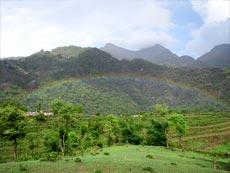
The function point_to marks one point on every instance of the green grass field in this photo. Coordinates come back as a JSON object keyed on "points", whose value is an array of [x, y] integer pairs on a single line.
{"points": [[124, 159]]}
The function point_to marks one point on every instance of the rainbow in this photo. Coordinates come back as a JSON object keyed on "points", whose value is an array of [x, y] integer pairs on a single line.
{"points": [[139, 78]]}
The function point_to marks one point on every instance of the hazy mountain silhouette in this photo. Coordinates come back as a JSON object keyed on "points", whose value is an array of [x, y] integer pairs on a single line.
{"points": [[156, 54], [219, 56]]}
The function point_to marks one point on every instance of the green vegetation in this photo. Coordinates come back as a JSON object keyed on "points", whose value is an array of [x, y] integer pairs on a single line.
{"points": [[125, 159], [69, 132], [69, 51], [12, 125], [107, 95], [31, 73], [69, 137], [95, 112]]}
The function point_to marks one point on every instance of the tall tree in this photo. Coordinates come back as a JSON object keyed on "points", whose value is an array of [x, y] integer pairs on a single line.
{"points": [[12, 124], [64, 113]]}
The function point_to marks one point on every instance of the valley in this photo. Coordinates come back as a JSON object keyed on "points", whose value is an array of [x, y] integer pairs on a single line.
{"points": [[103, 108]]}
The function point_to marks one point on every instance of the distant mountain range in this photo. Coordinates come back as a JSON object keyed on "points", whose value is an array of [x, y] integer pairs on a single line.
{"points": [[219, 56]]}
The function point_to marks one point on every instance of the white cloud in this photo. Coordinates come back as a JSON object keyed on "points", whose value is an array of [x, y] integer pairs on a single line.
{"points": [[208, 36], [30, 26], [140, 38], [212, 10], [216, 27]]}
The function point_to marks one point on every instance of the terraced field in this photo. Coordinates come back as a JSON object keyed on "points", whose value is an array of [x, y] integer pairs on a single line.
{"points": [[207, 133]]}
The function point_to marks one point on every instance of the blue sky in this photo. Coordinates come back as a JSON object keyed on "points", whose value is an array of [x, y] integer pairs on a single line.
{"points": [[185, 27]]}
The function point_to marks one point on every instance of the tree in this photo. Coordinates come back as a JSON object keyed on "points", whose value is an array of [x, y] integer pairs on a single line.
{"points": [[161, 109], [112, 130], [12, 125], [178, 123], [156, 132], [64, 113]]}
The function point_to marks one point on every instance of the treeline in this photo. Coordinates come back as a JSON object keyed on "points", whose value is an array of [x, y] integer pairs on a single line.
{"points": [[70, 132]]}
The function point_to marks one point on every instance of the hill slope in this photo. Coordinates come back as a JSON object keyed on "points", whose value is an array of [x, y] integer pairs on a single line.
{"points": [[44, 67], [125, 159], [219, 56], [120, 95]]}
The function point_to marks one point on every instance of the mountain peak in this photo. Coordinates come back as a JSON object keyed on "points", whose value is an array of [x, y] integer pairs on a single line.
{"points": [[69, 51], [158, 46], [110, 45]]}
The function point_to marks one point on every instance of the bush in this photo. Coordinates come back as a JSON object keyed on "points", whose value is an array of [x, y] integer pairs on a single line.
{"points": [[149, 156], [40, 117], [23, 158], [94, 154], [150, 169], [98, 171], [77, 159], [106, 153], [53, 156], [172, 163]]}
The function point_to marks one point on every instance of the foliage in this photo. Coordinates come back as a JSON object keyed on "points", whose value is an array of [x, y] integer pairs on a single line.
{"points": [[156, 132], [12, 124], [177, 121], [149, 156], [148, 168], [77, 159], [161, 109], [68, 132], [114, 95]]}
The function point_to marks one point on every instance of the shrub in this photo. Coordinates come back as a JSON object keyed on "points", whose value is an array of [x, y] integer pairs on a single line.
{"points": [[40, 117], [98, 171], [77, 159], [172, 163], [150, 169], [53, 156], [149, 156], [106, 153], [94, 153]]}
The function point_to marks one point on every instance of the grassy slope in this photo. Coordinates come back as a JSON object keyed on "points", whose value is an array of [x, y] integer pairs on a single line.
{"points": [[124, 159]]}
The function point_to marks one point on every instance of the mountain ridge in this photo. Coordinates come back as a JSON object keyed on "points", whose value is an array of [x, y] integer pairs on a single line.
{"points": [[218, 56], [158, 54]]}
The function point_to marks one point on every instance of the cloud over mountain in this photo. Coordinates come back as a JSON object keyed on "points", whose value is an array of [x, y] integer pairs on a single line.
{"points": [[215, 30]]}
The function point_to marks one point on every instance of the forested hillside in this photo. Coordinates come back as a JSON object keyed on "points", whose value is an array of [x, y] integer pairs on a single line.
{"points": [[183, 88]]}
